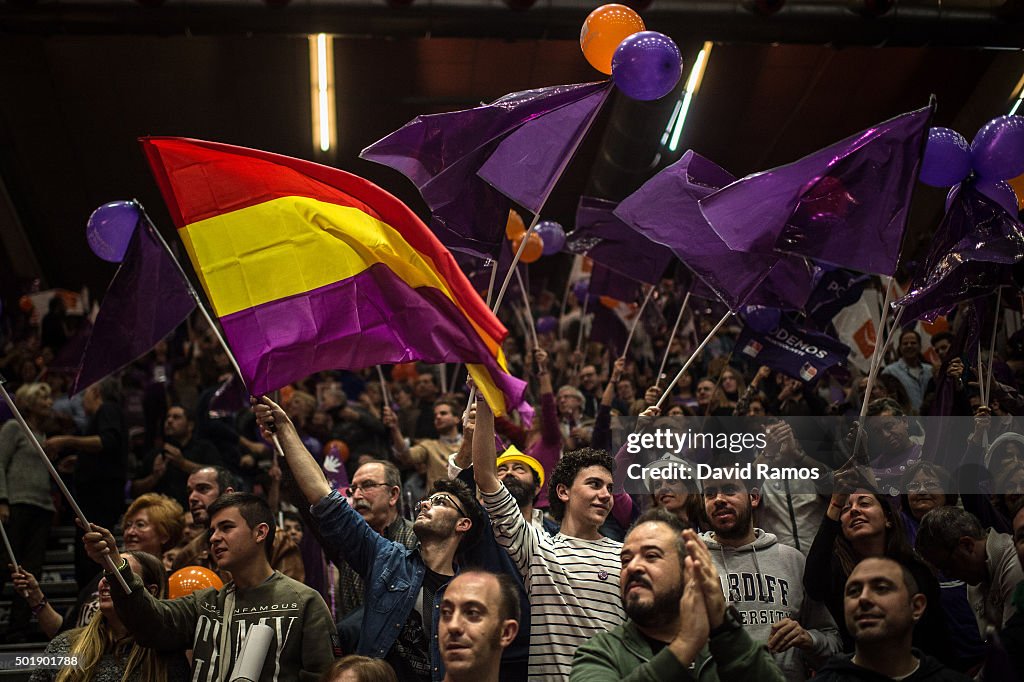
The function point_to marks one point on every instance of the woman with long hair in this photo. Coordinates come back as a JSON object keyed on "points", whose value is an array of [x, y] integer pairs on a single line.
{"points": [[106, 651], [859, 525]]}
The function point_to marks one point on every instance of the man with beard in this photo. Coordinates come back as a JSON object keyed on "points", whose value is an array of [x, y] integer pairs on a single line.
{"points": [[889, 445], [882, 604], [166, 470], [204, 487], [404, 587], [678, 626], [764, 581], [520, 473], [429, 455], [479, 620]]}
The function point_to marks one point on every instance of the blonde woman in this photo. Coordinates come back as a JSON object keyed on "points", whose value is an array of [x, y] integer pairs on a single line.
{"points": [[105, 650], [26, 508]]}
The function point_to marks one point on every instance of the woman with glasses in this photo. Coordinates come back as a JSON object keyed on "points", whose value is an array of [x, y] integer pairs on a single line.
{"points": [[860, 523], [929, 487]]}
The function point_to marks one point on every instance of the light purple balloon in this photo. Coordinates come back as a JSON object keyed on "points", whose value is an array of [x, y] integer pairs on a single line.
{"points": [[947, 158], [553, 236], [546, 324], [1000, 192], [647, 65], [110, 228], [997, 151]]}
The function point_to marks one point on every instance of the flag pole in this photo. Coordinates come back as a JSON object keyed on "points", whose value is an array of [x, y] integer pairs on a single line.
{"points": [[383, 387], [693, 356], [57, 479], [7, 546], [565, 302], [527, 312], [881, 340], [202, 309], [547, 194], [668, 345], [636, 320], [992, 348]]}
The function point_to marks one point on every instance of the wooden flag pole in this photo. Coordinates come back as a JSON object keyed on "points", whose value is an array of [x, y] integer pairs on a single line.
{"points": [[636, 320], [693, 356], [668, 345]]}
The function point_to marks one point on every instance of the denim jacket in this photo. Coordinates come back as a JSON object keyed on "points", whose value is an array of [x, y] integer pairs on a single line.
{"points": [[393, 575]]}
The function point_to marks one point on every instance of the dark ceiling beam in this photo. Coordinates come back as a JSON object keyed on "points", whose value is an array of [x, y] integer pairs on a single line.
{"points": [[961, 23]]}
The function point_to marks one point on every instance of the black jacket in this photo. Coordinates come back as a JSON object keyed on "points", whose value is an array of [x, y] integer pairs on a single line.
{"points": [[841, 669]]}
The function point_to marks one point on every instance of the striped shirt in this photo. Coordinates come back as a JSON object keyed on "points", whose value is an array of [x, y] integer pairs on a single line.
{"points": [[573, 585]]}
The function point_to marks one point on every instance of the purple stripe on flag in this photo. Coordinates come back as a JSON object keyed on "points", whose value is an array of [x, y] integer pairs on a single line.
{"points": [[372, 318]]}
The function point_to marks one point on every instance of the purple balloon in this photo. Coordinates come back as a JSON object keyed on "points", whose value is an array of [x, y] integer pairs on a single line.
{"points": [[1000, 192], [997, 151], [110, 228], [553, 236], [647, 65], [947, 158], [546, 324], [581, 289]]}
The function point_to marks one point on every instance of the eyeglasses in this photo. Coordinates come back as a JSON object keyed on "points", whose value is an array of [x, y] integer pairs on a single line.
{"points": [[923, 486], [352, 489], [440, 500]]}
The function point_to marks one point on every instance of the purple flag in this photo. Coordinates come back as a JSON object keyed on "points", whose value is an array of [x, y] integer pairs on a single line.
{"points": [[525, 165], [665, 210], [972, 253], [606, 282], [846, 204], [441, 154], [834, 289], [146, 300], [795, 351], [605, 239]]}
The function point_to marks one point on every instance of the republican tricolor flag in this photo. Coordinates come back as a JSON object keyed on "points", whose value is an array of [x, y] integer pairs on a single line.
{"points": [[310, 268]]}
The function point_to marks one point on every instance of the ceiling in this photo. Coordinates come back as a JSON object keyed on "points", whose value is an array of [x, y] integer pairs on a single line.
{"points": [[77, 92]]}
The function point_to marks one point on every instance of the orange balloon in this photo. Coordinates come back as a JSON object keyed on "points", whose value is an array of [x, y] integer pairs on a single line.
{"points": [[604, 29], [338, 448], [187, 580], [609, 302], [404, 372], [534, 247], [1018, 188], [515, 227]]}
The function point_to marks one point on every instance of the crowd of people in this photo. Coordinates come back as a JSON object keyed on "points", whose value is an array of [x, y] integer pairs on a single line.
{"points": [[390, 526]]}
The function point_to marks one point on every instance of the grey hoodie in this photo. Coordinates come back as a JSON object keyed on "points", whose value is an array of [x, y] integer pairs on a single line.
{"points": [[765, 582]]}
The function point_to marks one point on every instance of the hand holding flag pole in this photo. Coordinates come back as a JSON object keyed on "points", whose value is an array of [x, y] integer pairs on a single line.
{"points": [[56, 477], [278, 452], [10, 553]]}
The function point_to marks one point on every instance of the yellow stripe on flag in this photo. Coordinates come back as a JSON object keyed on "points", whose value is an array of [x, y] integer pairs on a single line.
{"points": [[292, 245]]}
